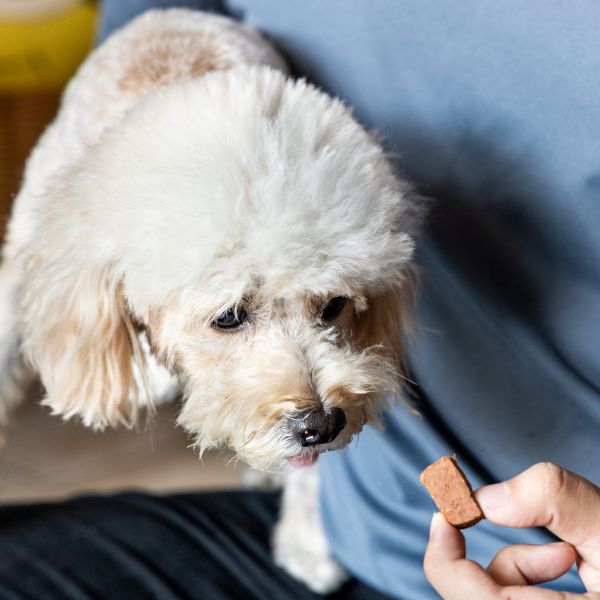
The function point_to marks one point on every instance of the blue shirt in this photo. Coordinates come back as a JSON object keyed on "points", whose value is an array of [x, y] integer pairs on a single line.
{"points": [[494, 110]]}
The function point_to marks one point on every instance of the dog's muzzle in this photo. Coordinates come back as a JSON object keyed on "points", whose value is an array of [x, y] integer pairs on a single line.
{"points": [[319, 426]]}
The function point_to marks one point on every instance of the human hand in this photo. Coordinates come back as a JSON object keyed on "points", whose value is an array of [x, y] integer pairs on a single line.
{"points": [[544, 495]]}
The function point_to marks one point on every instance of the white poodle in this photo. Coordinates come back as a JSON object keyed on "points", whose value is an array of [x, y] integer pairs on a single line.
{"points": [[195, 222]]}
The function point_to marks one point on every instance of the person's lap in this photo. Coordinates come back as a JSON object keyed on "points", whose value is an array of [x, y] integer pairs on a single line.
{"points": [[213, 545]]}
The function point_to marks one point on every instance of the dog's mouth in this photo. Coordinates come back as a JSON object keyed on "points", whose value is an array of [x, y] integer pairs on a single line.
{"points": [[303, 459]]}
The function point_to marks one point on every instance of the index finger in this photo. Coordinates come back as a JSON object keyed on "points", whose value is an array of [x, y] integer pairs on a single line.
{"points": [[449, 572], [549, 496]]}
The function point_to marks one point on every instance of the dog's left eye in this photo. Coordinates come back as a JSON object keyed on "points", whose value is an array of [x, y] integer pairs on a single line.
{"points": [[231, 319], [333, 308]]}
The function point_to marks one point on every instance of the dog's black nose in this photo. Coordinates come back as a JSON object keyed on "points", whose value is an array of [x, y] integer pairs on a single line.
{"points": [[319, 426]]}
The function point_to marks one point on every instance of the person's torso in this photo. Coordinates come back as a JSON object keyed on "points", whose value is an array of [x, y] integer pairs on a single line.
{"points": [[494, 111]]}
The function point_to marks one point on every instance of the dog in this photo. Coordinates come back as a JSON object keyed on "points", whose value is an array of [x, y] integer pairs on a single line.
{"points": [[197, 223]]}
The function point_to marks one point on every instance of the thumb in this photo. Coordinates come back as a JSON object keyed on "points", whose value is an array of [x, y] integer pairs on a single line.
{"points": [[549, 496]]}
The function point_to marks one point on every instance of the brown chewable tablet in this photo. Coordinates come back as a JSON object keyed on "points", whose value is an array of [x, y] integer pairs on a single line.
{"points": [[452, 492]]}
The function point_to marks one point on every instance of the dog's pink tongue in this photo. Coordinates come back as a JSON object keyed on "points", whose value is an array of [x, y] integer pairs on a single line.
{"points": [[303, 460]]}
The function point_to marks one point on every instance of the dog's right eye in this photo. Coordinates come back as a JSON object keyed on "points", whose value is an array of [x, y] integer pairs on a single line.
{"points": [[334, 308], [231, 319]]}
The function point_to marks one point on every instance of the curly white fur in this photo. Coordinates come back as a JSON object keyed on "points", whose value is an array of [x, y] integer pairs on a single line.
{"points": [[184, 176]]}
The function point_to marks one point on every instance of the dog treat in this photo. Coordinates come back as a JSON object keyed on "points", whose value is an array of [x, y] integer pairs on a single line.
{"points": [[452, 492]]}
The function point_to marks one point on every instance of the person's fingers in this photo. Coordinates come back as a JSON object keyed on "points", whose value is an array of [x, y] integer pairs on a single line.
{"points": [[529, 565], [449, 572], [536, 593], [589, 575], [456, 578], [549, 496]]}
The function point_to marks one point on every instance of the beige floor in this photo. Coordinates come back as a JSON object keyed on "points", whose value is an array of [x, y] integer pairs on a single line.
{"points": [[45, 458]]}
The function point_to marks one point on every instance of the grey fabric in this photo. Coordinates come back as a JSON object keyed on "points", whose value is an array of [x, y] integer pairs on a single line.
{"points": [[493, 110], [116, 13]]}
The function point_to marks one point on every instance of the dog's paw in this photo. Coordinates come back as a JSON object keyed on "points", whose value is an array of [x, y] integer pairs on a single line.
{"points": [[301, 549]]}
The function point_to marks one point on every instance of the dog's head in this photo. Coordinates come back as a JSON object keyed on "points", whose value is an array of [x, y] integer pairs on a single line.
{"points": [[255, 234]]}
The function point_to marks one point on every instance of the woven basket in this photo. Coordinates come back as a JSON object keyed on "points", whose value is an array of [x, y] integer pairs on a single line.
{"points": [[23, 118]]}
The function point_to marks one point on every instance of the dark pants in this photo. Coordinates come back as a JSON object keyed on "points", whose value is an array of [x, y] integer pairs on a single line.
{"points": [[130, 546]]}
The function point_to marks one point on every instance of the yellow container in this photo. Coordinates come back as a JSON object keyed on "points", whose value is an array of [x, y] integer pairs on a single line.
{"points": [[42, 42]]}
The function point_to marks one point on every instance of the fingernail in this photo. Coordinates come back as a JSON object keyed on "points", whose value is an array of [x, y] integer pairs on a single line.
{"points": [[434, 528], [493, 496]]}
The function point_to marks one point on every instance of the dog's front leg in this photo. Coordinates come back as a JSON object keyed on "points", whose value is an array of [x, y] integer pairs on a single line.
{"points": [[299, 543], [16, 377]]}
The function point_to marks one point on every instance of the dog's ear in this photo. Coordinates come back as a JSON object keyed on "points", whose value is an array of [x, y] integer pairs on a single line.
{"points": [[80, 337], [385, 324]]}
